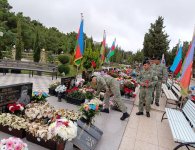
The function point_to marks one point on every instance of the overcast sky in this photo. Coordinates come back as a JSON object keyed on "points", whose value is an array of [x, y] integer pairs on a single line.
{"points": [[127, 20]]}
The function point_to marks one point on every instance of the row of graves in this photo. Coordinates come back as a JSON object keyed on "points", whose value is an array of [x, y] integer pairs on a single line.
{"points": [[27, 114], [41, 123]]}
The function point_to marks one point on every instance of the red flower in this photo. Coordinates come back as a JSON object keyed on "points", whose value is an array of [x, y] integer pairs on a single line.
{"points": [[93, 64], [127, 90], [66, 123]]}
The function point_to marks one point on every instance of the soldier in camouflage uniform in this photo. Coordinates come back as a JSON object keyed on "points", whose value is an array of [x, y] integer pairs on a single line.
{"points": [[161, 73], [146, 80], [153, 67], [111, 86]]}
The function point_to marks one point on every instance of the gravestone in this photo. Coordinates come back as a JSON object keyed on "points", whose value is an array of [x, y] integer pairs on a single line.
{"points": [[69, 82], [91, 129], [13, 93], [84, 141]]}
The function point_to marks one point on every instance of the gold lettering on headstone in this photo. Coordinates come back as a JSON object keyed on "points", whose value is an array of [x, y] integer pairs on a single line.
{"points": [[90, 142]]}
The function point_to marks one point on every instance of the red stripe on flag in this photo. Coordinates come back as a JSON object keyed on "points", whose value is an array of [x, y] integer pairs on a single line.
{"points": [[185, 81], [177, 70], [77, 53]]}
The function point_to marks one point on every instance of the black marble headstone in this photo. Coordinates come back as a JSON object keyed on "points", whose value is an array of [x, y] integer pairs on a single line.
{"points": [[84, 141], [69, 82], [91, 129], [12, 93]]}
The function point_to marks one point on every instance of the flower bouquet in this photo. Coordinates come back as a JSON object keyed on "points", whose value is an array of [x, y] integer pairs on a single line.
{"points": [[62, 130], [39, 96], [13, 143], [60, 90], [52, 87], [15, 108], [89, 110]]}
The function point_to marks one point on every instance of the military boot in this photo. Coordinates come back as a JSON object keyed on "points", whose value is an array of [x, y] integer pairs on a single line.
{"points": [[124, 116]]}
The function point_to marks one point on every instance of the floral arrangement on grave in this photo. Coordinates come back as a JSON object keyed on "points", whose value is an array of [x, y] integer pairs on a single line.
{"points": [[89, 110], [16, 108], [129, 87], [13, 121], [39, 111], [62, 130], [39, 96], [54, 85], [88, 93], [76, 95], [61, 88], [130, 84], [68, 91], [69, 114], [38, 130], [13, 143]]}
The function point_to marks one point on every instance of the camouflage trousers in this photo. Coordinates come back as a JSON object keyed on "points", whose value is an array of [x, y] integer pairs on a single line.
{"points": [[145, 97], [115, 90], [158, 89]]}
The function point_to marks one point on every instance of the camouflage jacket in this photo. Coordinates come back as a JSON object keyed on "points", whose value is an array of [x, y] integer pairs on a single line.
{"points": [[147, 76], [160, 72], [103, 83]]}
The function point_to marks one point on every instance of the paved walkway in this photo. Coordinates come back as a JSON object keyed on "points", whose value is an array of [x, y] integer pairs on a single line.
{"points": [[144, 133]]}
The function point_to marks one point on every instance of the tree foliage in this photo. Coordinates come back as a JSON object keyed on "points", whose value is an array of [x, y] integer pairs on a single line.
{"points": [[37, 48], [156, 40], [19, 42]]}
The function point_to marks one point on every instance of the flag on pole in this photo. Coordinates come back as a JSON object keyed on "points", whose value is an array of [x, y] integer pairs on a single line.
{"points": [[187, 68], [79, 49], [163, 60], [177, 63], [103, 49], [111, 52]]}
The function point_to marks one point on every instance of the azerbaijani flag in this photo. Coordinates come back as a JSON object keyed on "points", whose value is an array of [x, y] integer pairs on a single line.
{"points": [[111, 52], [177, 63], [79, 49], [187, 68], [103, 49]]}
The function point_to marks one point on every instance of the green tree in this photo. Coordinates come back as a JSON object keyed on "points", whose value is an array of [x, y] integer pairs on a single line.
{"points": [[156, 40], [36, 48], [19, 42]]}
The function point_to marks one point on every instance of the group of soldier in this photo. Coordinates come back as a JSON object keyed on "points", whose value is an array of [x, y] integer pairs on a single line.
{"points": [[150, 79], [153, 74]]}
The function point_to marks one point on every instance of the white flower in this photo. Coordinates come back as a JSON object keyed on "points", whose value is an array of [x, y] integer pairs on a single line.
{"points": [[61, 88]]}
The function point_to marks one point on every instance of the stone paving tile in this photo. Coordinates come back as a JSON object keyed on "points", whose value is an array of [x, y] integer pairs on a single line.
{"points": [[141, 145]]}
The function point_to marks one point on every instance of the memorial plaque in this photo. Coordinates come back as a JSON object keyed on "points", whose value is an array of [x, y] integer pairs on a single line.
{"points": [[91, 129], [84, 141], [15, 93], [69, 82]]}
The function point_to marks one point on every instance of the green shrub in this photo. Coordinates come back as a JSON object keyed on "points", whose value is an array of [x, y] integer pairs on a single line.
{"points": [[64, 59], [64, 68]]}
